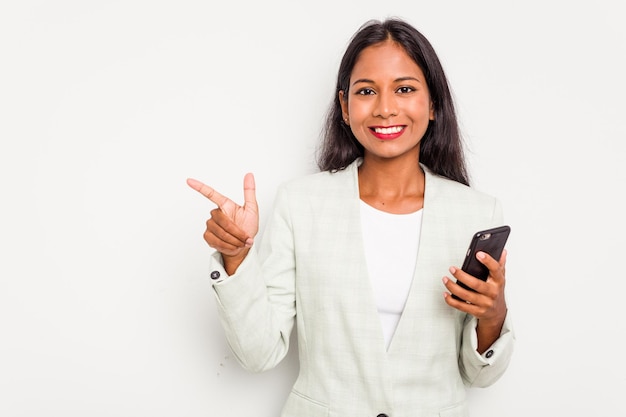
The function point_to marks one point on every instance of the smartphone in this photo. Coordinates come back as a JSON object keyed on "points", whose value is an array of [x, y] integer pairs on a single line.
{"points": [[491, 241]]}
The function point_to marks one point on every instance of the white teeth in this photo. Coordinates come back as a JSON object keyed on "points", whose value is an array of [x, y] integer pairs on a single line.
{"points": [[388, 130]]}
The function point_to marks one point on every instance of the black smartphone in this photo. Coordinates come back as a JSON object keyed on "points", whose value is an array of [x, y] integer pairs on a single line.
{"points": [[491, 241]]}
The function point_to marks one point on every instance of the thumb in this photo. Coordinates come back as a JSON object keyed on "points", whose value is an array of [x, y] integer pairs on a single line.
{"points": [[249, 191]]}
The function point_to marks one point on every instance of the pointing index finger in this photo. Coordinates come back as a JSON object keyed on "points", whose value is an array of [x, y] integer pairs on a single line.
{"points": [[207, 191]]}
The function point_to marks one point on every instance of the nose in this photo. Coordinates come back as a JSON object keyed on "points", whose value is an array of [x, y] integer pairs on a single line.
{"points": [[386, 105]]}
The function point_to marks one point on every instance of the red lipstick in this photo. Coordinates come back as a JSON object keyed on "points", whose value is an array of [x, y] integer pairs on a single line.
{"points": [[387, 132]]}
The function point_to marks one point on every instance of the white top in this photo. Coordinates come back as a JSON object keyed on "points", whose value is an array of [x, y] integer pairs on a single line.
{"points": [[391, 242]]}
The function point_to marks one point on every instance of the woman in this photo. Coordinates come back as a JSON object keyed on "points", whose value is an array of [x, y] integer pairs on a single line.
{"points": [[355, 254]]}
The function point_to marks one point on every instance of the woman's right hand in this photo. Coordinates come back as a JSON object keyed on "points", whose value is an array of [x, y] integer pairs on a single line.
{"points": [[231, 228]]}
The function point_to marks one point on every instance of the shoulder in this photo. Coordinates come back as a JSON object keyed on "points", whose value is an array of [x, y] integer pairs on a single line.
{"points": [[459, 199], [321, 195], [336, 183], [445, 187]]}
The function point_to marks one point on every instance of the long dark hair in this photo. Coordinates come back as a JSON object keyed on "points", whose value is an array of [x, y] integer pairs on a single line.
{"points": [[441, 149]]}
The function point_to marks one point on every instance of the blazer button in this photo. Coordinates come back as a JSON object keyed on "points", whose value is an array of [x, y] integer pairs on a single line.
{"points": [[215, 275], [489, 354]]}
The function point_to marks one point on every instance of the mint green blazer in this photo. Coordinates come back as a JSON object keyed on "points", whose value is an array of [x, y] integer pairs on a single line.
{"points": [[309, 270]]}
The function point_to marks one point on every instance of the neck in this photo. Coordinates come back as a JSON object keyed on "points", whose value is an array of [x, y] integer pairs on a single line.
{"points": [[392, 185]]}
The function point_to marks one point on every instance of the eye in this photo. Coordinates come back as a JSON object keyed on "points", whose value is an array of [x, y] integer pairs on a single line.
{"points": [[365, 92], [405, 90]]}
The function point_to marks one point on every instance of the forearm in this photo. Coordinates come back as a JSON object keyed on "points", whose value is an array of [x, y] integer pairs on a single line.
{"points": [[257, 322], [488, 332], [231, 263]]}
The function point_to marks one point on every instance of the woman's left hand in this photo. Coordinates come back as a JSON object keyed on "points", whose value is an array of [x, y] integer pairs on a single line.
{"points": [[486, 303]]}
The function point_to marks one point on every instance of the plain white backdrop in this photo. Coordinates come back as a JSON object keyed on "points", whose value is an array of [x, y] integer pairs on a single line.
{"points": [[106, 107]]}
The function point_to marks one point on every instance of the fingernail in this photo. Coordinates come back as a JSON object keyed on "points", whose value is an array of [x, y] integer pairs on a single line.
{"points": [[480, 255], [249, 242], [452, 270]]}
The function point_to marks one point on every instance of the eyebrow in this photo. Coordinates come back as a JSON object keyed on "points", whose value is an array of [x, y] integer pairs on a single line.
{"points": [[367, 80]]}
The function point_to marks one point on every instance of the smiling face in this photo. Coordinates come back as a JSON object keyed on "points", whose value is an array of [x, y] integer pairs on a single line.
{"points": [[388, 106]]}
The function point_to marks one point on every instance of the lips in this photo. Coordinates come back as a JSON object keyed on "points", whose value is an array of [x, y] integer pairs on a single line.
{"points": [[387, 132]]}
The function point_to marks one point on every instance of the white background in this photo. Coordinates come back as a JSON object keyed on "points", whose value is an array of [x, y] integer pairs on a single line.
{"points": [[107, 107]]}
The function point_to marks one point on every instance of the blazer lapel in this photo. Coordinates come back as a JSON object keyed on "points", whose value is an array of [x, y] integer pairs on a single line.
{"points": [[363, 290], [425, 305]]}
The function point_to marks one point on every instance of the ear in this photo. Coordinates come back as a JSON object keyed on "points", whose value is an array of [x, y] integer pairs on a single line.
{"points": [[343, 100], [431, 114]]}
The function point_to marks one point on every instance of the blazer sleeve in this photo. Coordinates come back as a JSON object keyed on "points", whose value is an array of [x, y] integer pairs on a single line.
{"points": [[256, 305], [483, 370]]}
